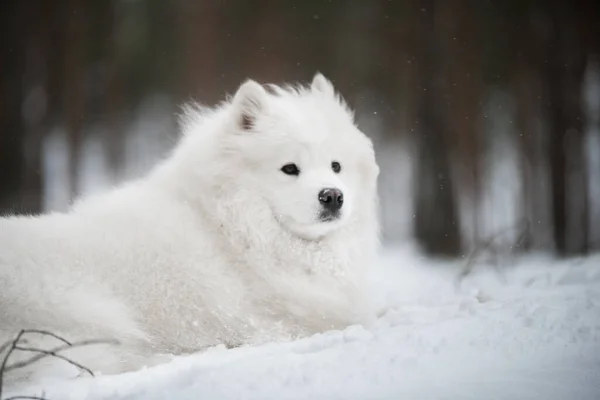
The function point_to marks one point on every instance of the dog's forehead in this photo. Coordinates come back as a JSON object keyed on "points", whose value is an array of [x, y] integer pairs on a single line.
{"points": [[315, 149], [315, 115], [317, 128]]}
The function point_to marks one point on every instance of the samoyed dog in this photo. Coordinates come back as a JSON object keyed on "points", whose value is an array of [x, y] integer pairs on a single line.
{"points": [[260, 226]]}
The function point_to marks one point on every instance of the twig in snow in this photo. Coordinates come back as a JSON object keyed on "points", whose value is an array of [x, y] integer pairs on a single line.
{"points": [[10, 345], [489, 244], [48, 333], [54, 353], [13, 345]]}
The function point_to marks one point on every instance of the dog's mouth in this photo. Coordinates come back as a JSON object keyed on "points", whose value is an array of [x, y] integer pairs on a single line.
{"points": [[329, 216], [321, 227]]}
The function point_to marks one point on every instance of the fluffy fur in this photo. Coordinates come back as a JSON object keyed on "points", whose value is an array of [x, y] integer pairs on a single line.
{"points": [[215, 245]]}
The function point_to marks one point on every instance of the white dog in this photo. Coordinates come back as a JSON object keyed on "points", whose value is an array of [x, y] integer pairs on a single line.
{"points": [[260, 226]]}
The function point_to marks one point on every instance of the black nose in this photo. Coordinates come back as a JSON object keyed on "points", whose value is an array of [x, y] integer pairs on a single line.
{"points": [[331, 199]]}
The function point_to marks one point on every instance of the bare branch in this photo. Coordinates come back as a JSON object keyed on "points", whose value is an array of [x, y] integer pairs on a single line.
{"points": [[47, 333], [5, 346], [522, 227], [54, 353], [13, 345]]}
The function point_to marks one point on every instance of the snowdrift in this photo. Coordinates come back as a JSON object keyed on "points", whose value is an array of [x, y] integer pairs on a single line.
{"points": [[529, 330]]}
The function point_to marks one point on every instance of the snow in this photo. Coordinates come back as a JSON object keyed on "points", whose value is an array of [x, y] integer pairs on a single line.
{"points": [[528, 330]]}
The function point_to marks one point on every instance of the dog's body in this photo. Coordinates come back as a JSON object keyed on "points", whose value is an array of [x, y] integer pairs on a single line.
{"points": [[223, 242]]}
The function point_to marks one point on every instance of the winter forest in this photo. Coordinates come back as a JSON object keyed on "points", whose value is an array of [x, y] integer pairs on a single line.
{"points": [[485, 114], [485, 118]]}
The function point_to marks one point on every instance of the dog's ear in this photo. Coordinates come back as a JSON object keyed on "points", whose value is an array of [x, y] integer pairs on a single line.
{"points": [[250, 102], [322, 84]]}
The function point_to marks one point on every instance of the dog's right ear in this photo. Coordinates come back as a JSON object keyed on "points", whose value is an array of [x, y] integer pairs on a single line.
{"points": [[250, 101]]}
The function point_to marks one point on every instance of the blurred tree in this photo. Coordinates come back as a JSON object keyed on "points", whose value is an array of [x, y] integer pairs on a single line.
{"points": [[563, 73], [461, 101], [113, 57], [12, 50], [392, 78], [74, 105], [267, 38], [38, 42], [588, 15], [524, 54], [200, 52], [436, 222]]}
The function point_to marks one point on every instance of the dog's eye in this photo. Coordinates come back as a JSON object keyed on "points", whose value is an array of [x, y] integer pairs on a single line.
{"points": [[336, 167], [290, 169]]}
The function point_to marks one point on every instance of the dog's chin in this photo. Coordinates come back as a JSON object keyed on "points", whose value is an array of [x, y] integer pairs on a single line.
{"points": [[317, 230]]}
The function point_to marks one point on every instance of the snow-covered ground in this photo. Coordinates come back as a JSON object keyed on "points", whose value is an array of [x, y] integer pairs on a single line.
{"points": [[528, 331]]}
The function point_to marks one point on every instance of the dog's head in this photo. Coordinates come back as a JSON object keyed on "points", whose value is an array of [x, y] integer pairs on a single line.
{"points": [[295, 154], [301, 153]]}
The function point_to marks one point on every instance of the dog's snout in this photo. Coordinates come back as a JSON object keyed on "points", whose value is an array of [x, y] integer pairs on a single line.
{"points": [[331, 199]]}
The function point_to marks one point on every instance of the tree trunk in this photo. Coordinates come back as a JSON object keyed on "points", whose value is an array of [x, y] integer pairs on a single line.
{"points": [[12, 15], [564, 76], [114, 141], [462, 64], [436, 225], [73, 95]]}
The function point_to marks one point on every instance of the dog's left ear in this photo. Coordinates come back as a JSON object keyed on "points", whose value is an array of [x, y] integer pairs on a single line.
{"points": [[322, 84], [250, 102]]}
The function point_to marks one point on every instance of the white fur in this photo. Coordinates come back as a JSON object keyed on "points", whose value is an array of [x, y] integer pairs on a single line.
{"points": [[215, 245]]}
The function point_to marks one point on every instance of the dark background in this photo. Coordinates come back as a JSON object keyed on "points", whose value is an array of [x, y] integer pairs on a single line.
{"points": [[485, 113]]}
